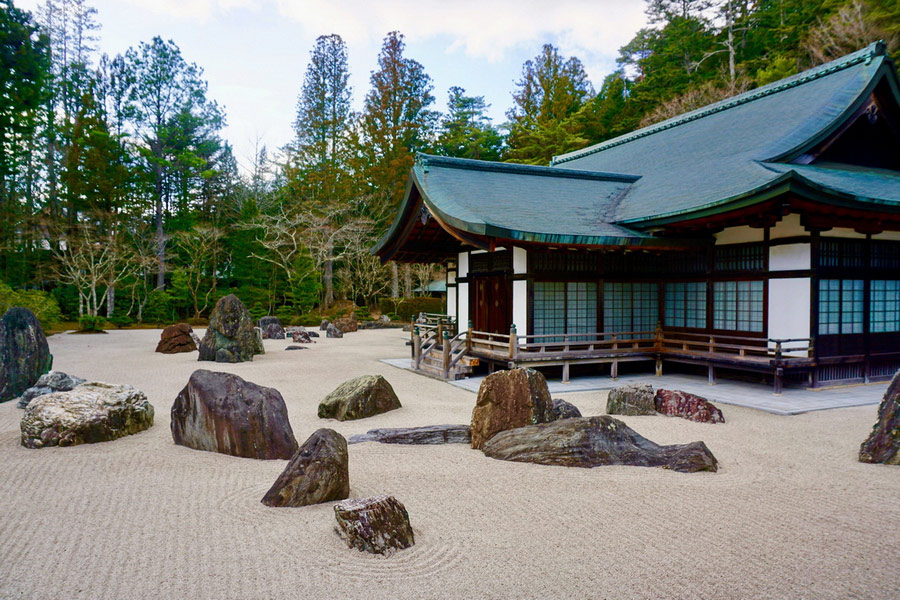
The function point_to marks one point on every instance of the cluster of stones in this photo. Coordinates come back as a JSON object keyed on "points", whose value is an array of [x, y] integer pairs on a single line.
{"points": [[24, 352], [331, 330], [301, 335], [177, 338], [640, 399], [231, 336], [271, 328]]}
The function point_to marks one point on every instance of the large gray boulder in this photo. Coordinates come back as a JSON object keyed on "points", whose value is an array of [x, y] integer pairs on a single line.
{"points": [[92, 412], [54, 381], [510, 399], [883, 444], [428, 435], [592, 442], [231, 335], [359, 398], [318, 472], [24, 353], [379, 525], [220, 412], [632, 399]]}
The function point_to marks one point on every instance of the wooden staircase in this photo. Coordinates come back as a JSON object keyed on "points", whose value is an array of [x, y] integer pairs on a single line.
{"points": [[436, 354]]}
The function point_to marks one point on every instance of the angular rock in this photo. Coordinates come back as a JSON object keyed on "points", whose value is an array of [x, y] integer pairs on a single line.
{"points": [[176, 338], [90, 413], [359, 398], [271, 328], [883, 444], [346, 324], [632, 399], [592, 442], [510, 399], [379, 525], [314, 334], [318, 472], [231, 336], [676, 403], [564, 410], [333, 332], [54, 381], [324, 324], [429, 435], [24, 353], [220, 412], [301, 337]]}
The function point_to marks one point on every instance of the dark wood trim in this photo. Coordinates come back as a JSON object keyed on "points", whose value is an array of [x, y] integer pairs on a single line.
{"points": [[793, 274], [785, 241]]}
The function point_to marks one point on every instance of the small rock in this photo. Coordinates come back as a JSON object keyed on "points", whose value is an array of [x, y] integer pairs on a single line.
{"points": [[220, 412], [318, 472], [346, 324], [333, 332], [271, 329], [312, 333], [302, 336], [54, 381], [292, 347], [379, 525], [384, 319], [431, 434], [883, 444], [592, 442], [359, 398], [676, 403], [90, 413], [510, 399], [24, 352], [631, 400], [177, 338], [564, 410], [324, 324]]}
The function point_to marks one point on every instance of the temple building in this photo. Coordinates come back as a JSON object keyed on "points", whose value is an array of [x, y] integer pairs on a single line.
{"points": [[760, 234]]}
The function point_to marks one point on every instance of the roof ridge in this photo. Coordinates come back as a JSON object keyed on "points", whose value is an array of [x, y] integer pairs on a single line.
{"points": [[426, 160], [871, 51]]}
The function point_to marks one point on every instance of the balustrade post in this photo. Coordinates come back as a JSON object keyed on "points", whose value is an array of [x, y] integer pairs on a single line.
{"points": [[469, 337], [440, 332], [513, 342], [417, 347], [445, 354], [779, 371]]}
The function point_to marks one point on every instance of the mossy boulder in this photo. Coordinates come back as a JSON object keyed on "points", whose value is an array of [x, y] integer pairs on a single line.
{"points": [[632, 399], [231, 336], [24, 352], [883, 444], [359, 398]]}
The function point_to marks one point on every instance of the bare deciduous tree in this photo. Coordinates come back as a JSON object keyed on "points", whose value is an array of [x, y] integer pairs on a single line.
{"points": [[200, 245]]}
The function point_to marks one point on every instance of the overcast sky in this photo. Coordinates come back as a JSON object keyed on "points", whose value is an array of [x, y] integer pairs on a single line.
{"points": [[254, 52]]}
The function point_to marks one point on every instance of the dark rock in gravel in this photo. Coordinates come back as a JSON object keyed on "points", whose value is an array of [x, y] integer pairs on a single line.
{"points": [[428, 435], [883, 444], [296, 348], [271, 328], [220, 412], [564, 410], [231, 335], [24, 353], [175, 339], [318, 472], [510, 399], [592, 442], [54, 381], [333, 332], [324, 324], [359, 398], [379, 525]]}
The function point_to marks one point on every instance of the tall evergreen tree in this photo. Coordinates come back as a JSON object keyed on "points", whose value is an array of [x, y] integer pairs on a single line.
{"points": [[466, 131]]}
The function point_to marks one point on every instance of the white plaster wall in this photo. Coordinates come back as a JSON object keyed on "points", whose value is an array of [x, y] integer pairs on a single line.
{"points": [[788, 226], [520, 261], [463, 263], [790, 257], [789, 310], [520, 306], [887, 235], [739, 235], [842, 232], [451, 300], [463, 306]]}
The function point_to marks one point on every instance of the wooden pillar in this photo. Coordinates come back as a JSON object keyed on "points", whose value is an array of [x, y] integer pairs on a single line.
{"points": [[659, 365], [779, 371], [445, 354], [469, 338], [513, 343], [565, 373], [417, 347], [614, 369], [711, 374]]}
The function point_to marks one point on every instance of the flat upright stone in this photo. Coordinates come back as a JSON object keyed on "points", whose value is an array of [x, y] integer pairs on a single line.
{"points": [[510, 399], [220, 412], [324, 324], [299, 335], [24, 353], [632, 399], [346, 324], [333, 332], [318, 472], [379, 525], [231, 335], [271, 328], [428, 435], [592, 442], [675, 403], [359, 398], [90, 413], [176, 338], [54, 381], [883, 444], [564, 410]]}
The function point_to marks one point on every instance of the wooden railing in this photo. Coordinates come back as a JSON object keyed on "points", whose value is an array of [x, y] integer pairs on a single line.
{"points": [[427, 344]]}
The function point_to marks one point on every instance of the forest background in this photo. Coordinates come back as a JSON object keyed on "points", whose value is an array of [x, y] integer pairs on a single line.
{"points": [[120, 201]]}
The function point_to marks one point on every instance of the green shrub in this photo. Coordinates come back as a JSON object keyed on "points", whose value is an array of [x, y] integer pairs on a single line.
{"points": [[159, 308], [121, 320], [42, 304], [257, 311], [89, 323], [285, 314], [363, 313], [308, 320], [411, 306]]}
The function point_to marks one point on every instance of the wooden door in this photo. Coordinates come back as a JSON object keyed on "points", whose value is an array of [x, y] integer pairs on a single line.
{"points": [[491, 304]]}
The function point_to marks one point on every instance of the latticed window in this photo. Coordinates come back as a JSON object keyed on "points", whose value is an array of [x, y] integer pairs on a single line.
{"points": [[630, 307], [740, 258], [840, 306], [738, 305], [884, 306], [685, 304], [564, 307]]}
